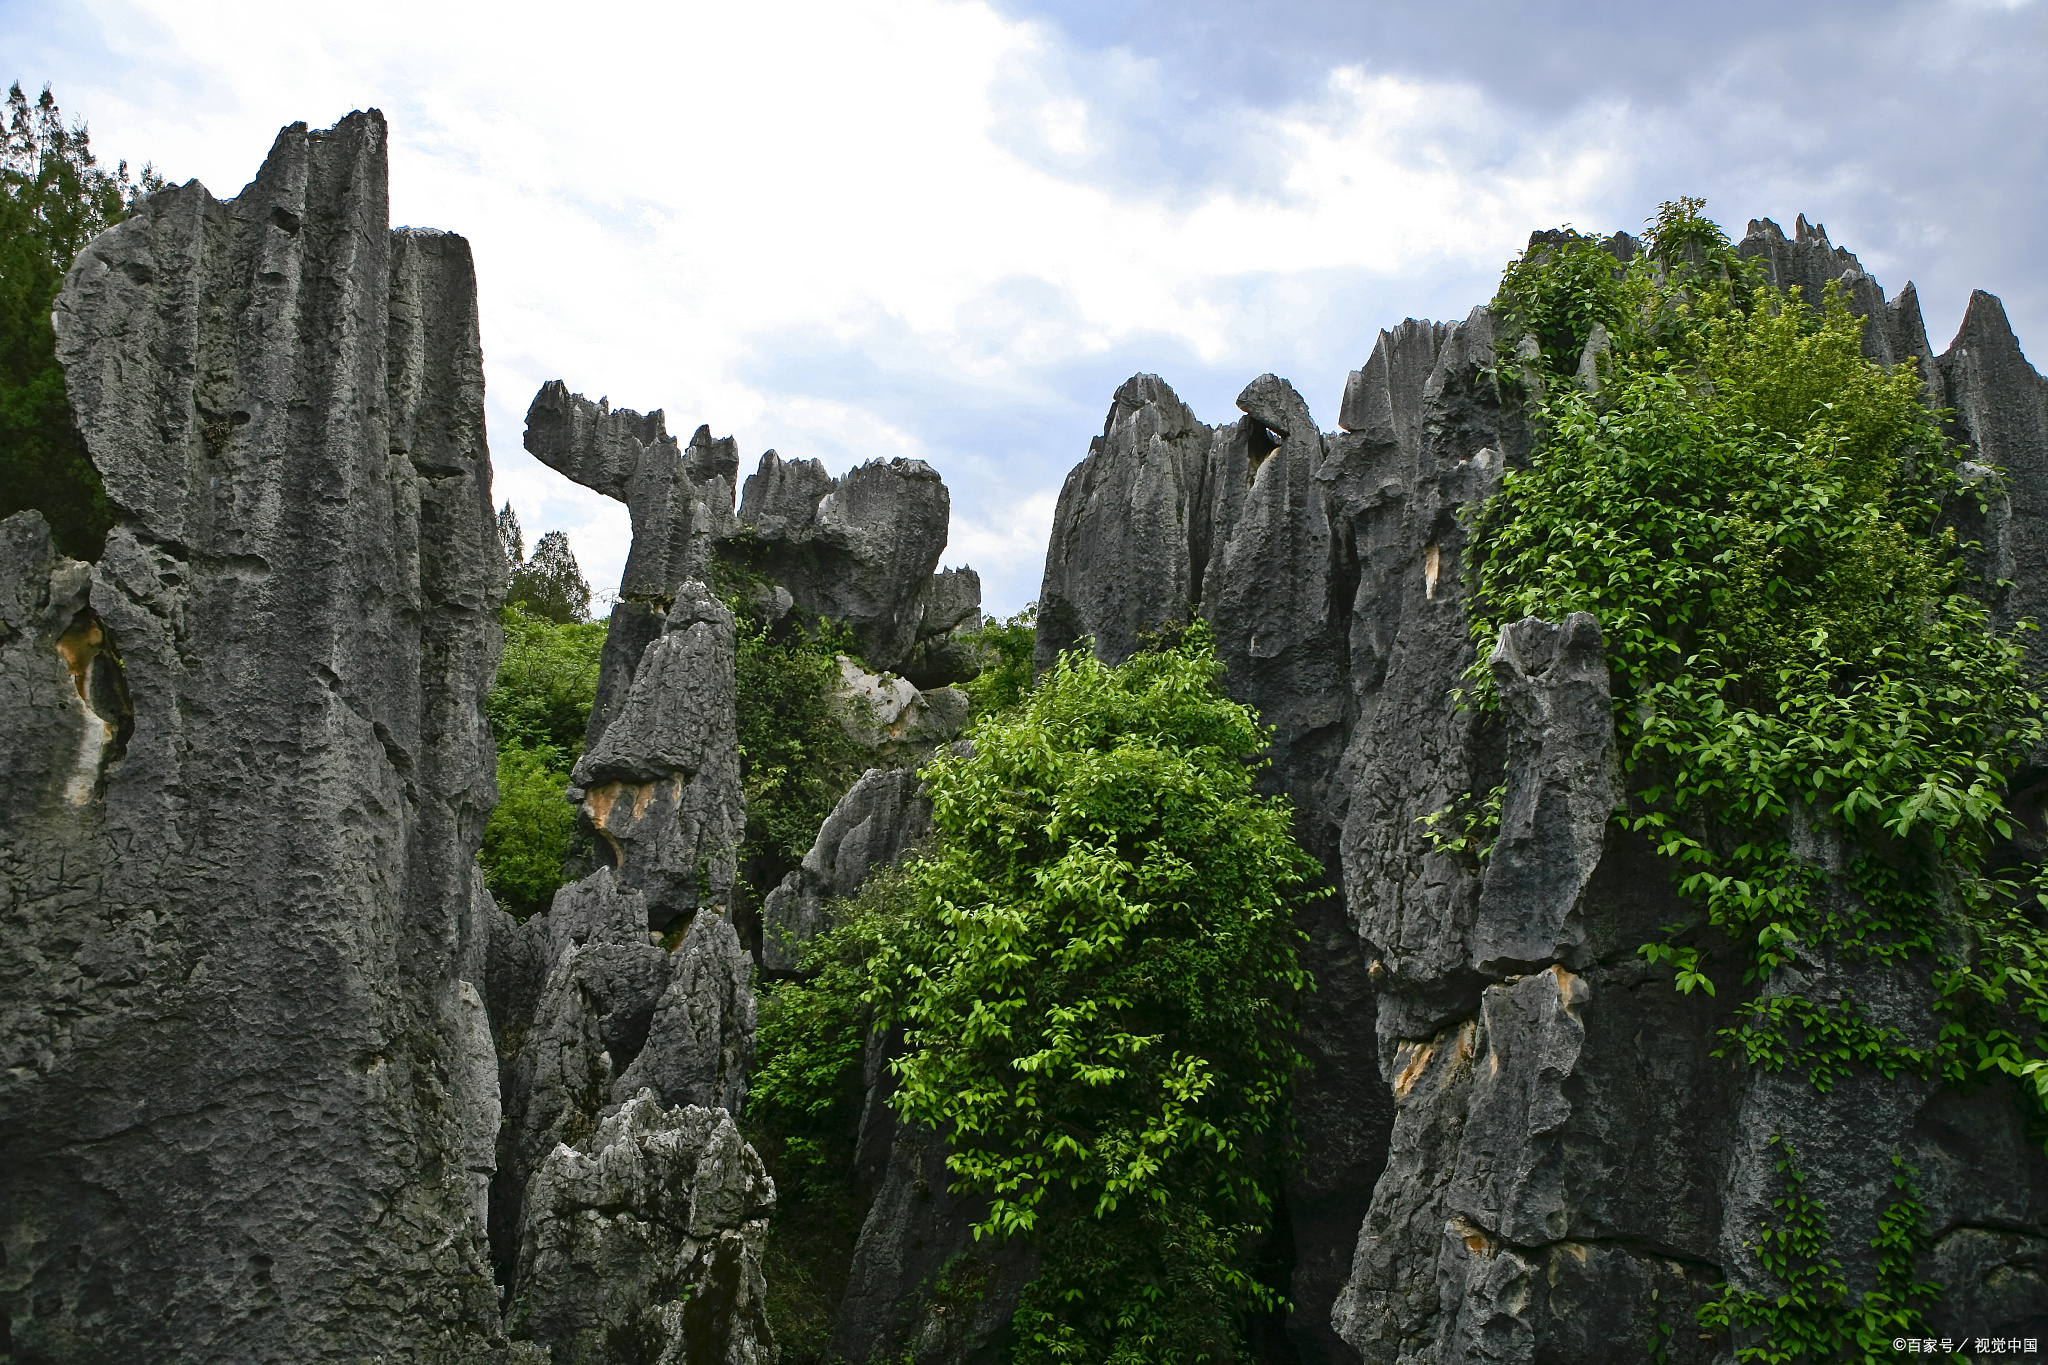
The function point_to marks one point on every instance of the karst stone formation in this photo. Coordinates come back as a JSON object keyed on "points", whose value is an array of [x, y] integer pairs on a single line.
{"points": [[283, 1083]]}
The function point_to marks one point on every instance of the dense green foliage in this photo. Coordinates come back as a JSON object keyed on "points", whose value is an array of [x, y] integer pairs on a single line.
{"points": [[54, 198], [796, 757], [1755, 514], [538, 710], [548, 584], [547, 681], [1092, 968], [807, 1095], [529, 834], [1558, 293], [1005, 676], [804, 1108]]}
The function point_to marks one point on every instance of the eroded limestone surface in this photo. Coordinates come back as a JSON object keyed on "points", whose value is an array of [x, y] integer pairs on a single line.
{"points": [[643, 1242], [631, 992], [279, 1071], [248, 768]]}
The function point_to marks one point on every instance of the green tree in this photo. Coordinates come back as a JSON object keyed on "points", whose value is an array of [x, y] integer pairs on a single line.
{"points": [[796, 758], [54, 198], [539, 709], [549, 584], [1093, 969], [510, 539], [1006, 648]]}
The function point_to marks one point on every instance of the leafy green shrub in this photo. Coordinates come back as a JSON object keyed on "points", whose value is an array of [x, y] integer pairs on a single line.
{"points": [[1557, 291], [1006, 661], [528, 835], [547, 682], [539, 709], [1093, 969]]}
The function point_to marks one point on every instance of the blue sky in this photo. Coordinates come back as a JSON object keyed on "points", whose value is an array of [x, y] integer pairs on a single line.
{"points": [[948, 230]]}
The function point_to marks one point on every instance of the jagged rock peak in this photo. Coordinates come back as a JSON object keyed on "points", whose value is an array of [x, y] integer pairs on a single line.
{"points": [[2000, 416], [660, 786], [681, 503], [258, 905], [1130, 534], [635, 980], [859, 549], [1892, 332], [649, 1232]]}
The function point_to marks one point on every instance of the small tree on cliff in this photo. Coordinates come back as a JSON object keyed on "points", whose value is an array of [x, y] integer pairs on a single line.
{"points": [[54, 198]]}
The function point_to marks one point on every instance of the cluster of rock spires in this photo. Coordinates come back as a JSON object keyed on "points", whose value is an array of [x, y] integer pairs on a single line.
{"points": [[283, 1082], [281, 1079], [1568, 1168]]}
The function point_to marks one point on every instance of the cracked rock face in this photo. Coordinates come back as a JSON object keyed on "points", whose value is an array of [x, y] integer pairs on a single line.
{"points": [[643, 1243], [884, 817], [890, 716], [248, 771], [948, 611], [1546, 1161], [593, 1005], [917, 1231]]}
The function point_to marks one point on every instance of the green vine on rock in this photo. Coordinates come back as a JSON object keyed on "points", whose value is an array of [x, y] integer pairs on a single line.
{"points": [[1815, 1318], [1755, 513], [1817, 720]]}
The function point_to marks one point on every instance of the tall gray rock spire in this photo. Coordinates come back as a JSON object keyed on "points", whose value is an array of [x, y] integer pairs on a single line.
{"points": [[247, 1064]]}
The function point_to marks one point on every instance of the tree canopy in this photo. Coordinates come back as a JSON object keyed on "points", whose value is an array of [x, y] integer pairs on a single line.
{"points": [[54, 198], [1093, 967], [549, 584]]}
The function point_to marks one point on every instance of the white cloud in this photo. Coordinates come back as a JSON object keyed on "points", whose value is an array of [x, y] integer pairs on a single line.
{"points": [[1011, 546], [810, 225], [652, 189]]}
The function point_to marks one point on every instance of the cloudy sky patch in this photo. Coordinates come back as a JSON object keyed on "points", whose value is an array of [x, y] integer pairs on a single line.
{"points": [[948, 230]]}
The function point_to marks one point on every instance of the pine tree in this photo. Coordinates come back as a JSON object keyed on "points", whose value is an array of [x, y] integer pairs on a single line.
{"points": [[54, 198], [549, 585], [510, 539]]}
